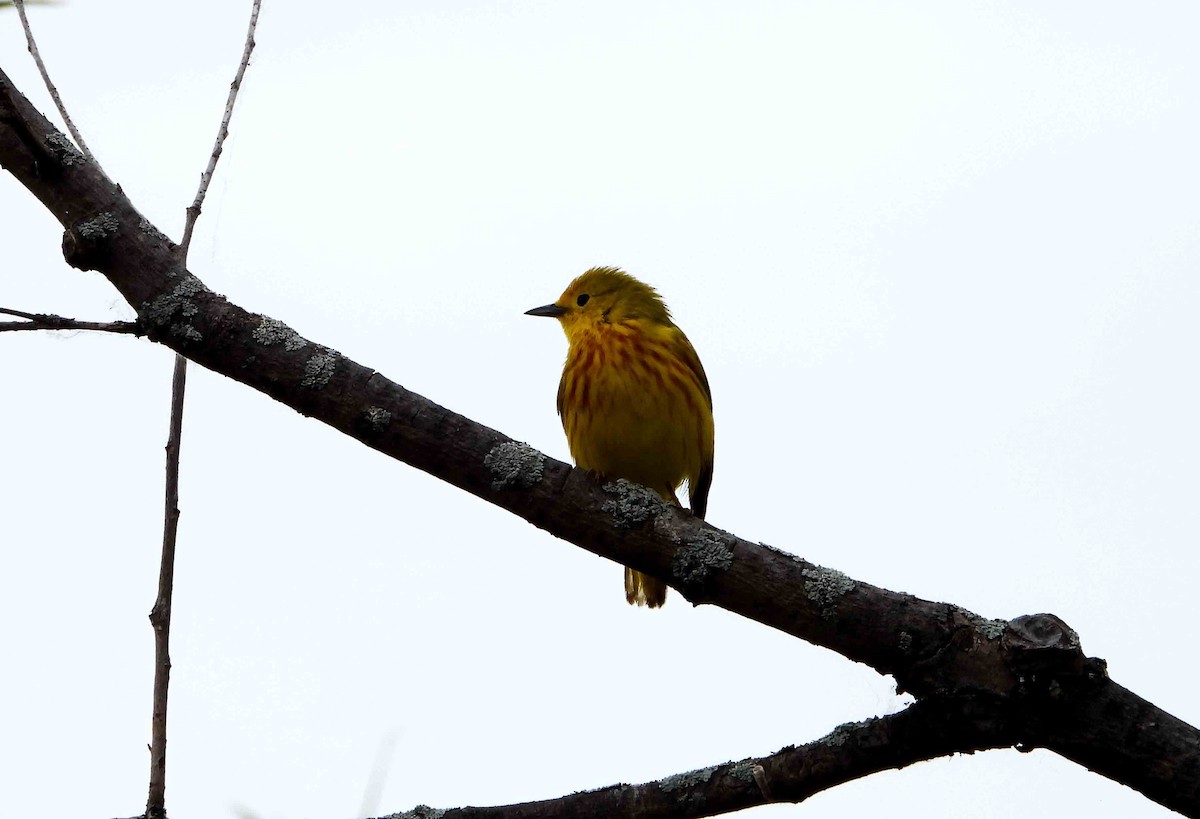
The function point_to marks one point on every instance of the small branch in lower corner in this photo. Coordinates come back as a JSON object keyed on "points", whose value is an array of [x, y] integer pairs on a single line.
{"points": [[48, 321]]}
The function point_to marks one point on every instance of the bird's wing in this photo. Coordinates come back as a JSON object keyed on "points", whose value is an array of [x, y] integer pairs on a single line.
{"points": [[697, 489], [688, 353]]}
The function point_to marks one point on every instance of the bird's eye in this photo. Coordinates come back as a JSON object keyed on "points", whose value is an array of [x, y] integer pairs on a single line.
{"points": [[582, 300]]}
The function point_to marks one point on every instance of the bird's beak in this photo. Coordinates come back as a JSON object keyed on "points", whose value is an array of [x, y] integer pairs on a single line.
{"points": [[549, 310]]}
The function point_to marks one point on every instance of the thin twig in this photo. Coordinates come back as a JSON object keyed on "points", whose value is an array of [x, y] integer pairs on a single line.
{"points": [[48, 321], [8, 311], [193, 212], [160, 615], [58, 103]]}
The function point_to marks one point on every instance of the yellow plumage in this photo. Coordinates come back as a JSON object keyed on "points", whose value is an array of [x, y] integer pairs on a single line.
{"points": [[634, 399]]}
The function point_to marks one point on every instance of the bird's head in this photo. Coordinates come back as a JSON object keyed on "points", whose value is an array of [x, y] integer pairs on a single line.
{"points": [[605, 295]]}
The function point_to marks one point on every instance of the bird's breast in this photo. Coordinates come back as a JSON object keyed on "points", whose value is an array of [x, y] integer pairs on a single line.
{"points": [[632, 409]]}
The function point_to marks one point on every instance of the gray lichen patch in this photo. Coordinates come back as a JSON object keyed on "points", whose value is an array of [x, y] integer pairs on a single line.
{"points": [[632, 504], [145, 226], [825, 587], [186, 331], [744, 770], [64, 148], [378, 418], [838, 736], [701, 556], [270, 332], [320, 368], [101, 226], [779, 552], [419, 812], [622, 787], [687, 781], [989, 629], [514, 464], [905, 642], [170, 309]]}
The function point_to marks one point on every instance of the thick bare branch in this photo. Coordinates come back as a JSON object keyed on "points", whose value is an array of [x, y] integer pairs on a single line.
{"points": [[1075, 726], [926, 730], [1116, 733]]}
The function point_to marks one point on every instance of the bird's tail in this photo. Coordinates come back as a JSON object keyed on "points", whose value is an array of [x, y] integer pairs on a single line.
{"points": [[644, 590]]}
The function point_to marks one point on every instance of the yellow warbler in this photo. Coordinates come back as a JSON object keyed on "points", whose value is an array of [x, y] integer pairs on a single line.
{"points": [[634, 399]]}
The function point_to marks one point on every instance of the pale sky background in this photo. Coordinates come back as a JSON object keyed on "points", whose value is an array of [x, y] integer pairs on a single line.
{"points": [[940, 260]]}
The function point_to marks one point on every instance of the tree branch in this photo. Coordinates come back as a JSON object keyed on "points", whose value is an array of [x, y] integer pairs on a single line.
{"points": [[193, 212], [1117, 734], [1033, 665], [160, 614], [47, 321], [926, 730]]}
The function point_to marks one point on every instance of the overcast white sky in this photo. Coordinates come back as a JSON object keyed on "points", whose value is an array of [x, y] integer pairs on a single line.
{"points": [[940, 260]]}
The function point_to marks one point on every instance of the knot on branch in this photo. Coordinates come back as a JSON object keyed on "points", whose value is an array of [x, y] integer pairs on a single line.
{"points": [[1042, 645], [1015, 658], [87, 244]]}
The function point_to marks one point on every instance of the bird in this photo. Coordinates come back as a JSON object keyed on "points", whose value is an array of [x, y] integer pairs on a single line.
{"points": [[633, 398]]}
